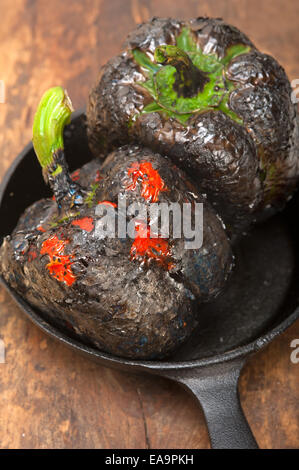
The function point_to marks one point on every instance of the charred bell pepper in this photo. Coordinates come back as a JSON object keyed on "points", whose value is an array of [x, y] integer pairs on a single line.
{"points": [[136, 298], [200, 92]]}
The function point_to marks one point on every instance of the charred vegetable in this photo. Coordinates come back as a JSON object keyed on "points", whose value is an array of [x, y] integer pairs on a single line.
{"points": [[200, 92], [134, 297]]}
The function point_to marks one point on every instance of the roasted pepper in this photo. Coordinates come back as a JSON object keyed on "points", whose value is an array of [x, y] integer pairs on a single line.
{"points": [[200, 92]]}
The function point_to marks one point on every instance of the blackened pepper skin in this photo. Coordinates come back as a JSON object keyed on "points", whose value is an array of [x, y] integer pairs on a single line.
{"points": [[135, 298], [240, 145]]}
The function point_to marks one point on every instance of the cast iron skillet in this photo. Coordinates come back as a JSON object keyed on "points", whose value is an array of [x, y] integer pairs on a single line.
{"points": [[260, 302]]}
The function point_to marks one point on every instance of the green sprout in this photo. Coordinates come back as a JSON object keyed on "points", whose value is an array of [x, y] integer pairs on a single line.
{"points": [[91, 195]]}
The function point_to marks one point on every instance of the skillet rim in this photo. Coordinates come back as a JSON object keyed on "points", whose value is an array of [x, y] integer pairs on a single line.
{"points": [[151, 366]]}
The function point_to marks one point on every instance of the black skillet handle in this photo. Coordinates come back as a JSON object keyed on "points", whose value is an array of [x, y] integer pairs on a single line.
{"points": [[216, 388]]}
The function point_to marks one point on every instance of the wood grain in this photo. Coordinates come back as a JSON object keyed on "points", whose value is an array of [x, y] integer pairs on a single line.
{"points": [[50, 397]]}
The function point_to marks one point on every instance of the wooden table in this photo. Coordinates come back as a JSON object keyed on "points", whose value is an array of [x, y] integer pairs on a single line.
{"points": [[50, 397]]}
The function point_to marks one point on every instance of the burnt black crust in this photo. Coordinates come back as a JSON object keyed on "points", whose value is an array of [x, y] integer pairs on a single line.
{"points": [[218, 153], [212, 34], [263, 101], [115, 98], [157, 31]]}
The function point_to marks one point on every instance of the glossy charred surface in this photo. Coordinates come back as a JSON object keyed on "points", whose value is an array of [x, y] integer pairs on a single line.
{"points": [[205, 269], [134, 297], [238, 139]]}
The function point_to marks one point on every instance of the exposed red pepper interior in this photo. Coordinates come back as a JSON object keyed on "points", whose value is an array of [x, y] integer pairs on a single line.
{"points": [[32, 255], [60, 264], [149, 248], [76, 175], [98, 176], [107, 203], [151, 182], [86, 223]]}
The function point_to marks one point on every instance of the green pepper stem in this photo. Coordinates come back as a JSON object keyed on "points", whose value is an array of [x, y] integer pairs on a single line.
{"points": [[189, 79], [53, 113]]}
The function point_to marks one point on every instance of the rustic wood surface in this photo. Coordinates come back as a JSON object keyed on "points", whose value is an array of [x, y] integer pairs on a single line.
{"points": [[50, 397]]}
